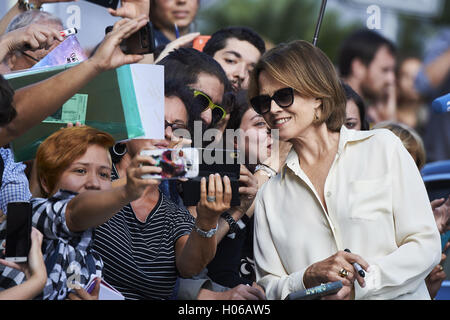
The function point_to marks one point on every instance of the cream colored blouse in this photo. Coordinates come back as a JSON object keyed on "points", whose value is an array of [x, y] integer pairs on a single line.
{"points": [[377, 207]]}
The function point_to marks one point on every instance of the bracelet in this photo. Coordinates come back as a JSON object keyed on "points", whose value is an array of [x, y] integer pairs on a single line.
{"points": [[206, 234], [264, 167], [27, 5], [231, 222]]}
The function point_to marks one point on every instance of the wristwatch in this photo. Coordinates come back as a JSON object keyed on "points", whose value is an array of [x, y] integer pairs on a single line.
{"points": [[231, 222], [266, 169], [27, 5], [206, 234]]}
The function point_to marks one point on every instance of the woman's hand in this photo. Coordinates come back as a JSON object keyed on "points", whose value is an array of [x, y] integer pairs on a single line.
{"points": [[435, 278], [109, 55], [82, 294], [131, 9], [176, 44], [214, 200], [441, 211], [139, 166], [328, 270], [248, 189], [35, 266], [32, 37]]}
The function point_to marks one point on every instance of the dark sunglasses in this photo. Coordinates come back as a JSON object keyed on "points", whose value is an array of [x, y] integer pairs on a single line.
{"points": [[205, 102], [282, 97]]}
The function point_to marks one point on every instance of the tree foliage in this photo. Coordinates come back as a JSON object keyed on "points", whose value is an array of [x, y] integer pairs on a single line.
{"points": [[279, 21]]}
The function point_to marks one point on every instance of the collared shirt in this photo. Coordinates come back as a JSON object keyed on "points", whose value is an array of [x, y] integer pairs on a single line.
{"points": [[14, 181], [377, 207]]}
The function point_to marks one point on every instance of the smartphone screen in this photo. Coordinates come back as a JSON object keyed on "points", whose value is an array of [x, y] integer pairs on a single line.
{"points": [[105, 3], [18, 230], [175, 163]]}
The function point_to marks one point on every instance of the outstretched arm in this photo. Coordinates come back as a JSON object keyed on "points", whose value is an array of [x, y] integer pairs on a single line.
{"points": [[35, 102]]}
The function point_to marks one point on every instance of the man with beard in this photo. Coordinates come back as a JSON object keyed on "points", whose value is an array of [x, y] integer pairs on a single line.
{"points": [[366, 62]]}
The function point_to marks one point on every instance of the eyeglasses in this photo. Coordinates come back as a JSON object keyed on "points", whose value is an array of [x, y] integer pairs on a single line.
{"points": [[282, 97], [174, 126], [205, 102]]}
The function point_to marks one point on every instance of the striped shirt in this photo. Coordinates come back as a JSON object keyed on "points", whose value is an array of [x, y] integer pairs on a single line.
{"points": [[69, 259], [139, 257]]}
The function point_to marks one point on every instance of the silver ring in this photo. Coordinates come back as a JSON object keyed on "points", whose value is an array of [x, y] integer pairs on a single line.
{"points": [[210, 198]]}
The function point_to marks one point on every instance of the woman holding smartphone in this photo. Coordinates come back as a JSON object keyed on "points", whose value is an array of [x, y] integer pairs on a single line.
{"points": [[339, 189]]}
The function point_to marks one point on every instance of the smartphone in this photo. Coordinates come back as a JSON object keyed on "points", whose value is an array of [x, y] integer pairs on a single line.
{"points": [[140, 42], [316, 292], [200, 42], [175, 163], [222, 161], [18, 231], [106, 3]]}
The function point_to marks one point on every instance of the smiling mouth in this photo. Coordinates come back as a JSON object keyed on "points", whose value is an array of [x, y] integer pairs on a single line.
{"points": [[281, 121]]}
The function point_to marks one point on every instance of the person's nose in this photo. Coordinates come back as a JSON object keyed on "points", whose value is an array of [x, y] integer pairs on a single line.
{"points": [[274, 107], [206, 116], [92, 181], [168, 133], [240, 72]]}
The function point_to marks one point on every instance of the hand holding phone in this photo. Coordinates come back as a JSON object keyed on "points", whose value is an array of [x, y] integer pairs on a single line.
{"points": [[140, 42], [109, 55], [18, 231]]}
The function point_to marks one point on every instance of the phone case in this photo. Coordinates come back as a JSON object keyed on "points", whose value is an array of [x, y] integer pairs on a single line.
{"points": [[316, 292], [106, 3], [175, 163], [200, 42], [222, 161]]}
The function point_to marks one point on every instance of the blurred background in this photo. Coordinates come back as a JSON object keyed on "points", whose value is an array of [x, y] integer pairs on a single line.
{"points": [[407, 23]]}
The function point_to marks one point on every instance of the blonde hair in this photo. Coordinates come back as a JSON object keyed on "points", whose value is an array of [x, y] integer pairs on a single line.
{"points": [[410, 139], [307, 70]]}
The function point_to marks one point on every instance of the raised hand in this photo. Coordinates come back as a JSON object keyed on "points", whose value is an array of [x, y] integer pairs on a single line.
{"points": [[109, 55], [131, 9], [215, 199]]}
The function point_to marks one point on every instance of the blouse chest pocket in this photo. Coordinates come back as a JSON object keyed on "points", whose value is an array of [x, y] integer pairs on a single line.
{"points": [[370, 199]]}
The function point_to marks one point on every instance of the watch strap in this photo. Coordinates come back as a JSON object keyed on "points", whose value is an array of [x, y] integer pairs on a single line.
{"points": [[231, 222], [206, 234]]}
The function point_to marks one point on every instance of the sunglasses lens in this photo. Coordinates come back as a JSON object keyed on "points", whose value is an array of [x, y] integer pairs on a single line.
{"points": [[284, 97], [217, 115], [261, 104], [202, 102]]}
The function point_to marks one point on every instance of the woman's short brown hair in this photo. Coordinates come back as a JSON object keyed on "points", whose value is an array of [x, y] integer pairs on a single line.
{"points": [[307, 70], [62, 148], [410, 138]]}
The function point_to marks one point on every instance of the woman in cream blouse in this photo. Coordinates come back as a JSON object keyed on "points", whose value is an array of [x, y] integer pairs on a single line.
{"points": [[338, 189]]}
